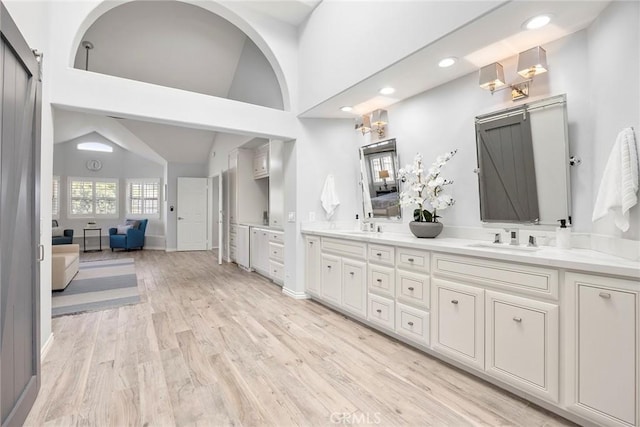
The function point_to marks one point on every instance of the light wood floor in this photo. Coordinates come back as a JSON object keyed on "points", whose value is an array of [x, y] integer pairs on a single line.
{"points": [[213, 345]]}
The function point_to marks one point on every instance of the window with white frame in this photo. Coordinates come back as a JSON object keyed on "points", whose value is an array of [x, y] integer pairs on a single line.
{"points": [[143, 197], [382, 168], [89, 197], [55, 198]]}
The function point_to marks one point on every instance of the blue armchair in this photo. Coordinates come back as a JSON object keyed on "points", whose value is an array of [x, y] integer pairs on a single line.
{"points": [[132, 240], [65, 239]]}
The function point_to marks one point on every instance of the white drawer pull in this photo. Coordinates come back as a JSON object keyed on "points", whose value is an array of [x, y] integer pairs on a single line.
{"points": [[517, 319], [410, 323], [410, 259], [454, 301], [379, 311], [410, 288], [606, 295]]}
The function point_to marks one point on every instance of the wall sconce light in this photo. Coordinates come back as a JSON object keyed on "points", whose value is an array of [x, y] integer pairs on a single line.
{"points": [[373, 122], [530, 63]]}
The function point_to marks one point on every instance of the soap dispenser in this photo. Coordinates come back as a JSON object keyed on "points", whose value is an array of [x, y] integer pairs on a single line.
{"points": [[563, 235]]}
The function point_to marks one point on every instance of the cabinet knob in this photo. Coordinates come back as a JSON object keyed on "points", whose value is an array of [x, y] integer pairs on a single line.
{"points": [[605, 295], [311, 243], [329, 267], [351, 273], [379, 280], [517, 319], [379, 311], [410, 323], [454, 301], [410, 259], [410, 288], [378, 254]]}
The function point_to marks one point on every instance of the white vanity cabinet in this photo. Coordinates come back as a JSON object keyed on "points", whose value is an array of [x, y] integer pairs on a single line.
{"points": [[259, 250], [344, 275], [521, 344], [458, 321], [603, 361], [312, 263], [275, 254]]}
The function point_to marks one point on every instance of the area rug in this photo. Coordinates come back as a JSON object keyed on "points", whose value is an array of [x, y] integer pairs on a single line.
{"points": [[97, 286]]}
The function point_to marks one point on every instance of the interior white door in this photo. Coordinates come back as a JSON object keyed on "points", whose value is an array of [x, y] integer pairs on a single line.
{"points": [[192, 214]]}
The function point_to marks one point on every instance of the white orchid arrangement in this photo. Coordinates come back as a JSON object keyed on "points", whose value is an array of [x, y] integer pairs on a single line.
{"points": [[421, 188]]}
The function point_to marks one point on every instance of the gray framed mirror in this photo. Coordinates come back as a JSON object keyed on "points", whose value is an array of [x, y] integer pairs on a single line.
{"points": [[523, 163], [380, 185]]}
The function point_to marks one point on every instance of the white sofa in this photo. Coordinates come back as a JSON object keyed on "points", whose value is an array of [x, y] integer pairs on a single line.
{"points": [[64, 265]]}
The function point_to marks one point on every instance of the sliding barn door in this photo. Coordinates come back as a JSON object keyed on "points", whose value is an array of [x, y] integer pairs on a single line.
{"points": [[19, 225]]}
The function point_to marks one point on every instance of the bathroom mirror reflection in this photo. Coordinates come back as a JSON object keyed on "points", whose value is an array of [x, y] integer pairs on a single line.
{"points": [[380, 189], [523, 163]]}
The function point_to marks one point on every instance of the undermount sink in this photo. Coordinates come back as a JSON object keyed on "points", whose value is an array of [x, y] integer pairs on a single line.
{"points": [[357, 233], [504, 247]]}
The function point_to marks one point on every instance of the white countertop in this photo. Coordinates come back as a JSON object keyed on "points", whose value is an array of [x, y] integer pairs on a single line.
{"points": [[583, 260], [260, 225]]}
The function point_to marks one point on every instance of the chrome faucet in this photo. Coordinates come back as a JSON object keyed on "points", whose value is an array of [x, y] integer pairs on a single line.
{"points": [[514, 235], [497, 238]]}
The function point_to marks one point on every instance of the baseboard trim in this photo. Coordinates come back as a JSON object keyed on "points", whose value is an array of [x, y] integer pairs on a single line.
{"points": [[295, 295], [46, 347], [170, 249]]}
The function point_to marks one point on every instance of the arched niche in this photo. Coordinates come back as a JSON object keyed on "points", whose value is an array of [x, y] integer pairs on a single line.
{"points": [[256, 54]]}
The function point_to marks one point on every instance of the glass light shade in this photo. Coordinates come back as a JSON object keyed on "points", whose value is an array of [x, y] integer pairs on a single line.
{"points": [[363, 124], [532, 62], [491, 76], [379, 118]]}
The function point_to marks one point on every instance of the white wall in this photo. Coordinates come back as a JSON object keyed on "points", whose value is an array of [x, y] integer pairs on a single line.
{"points": [[614, 94], [222, 146], [175, 170], [254, 80], [68, 161], [343, 42]]}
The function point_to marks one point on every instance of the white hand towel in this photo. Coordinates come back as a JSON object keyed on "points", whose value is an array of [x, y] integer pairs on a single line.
{"points": [[329, 197], [619, 185]]}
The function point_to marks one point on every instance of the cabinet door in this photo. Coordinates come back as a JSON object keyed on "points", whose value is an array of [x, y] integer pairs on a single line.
{"points": [[254, 244], [264, 250], [522, 343], [412, 288], [312, 265], [331, 284], [605, 356], [354, 286], [458, 321], [382, 280]]}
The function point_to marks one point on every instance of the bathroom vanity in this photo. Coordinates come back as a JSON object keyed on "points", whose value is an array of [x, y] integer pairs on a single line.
{"points": [[558, 327]]}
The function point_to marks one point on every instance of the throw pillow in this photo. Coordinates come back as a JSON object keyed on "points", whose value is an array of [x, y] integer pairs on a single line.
{"points": [[122, 229], [57, 232], [134, 223]]}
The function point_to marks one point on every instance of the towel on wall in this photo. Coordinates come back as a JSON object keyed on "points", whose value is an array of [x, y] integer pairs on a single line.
{"points": [[619, 185], [329, 197]]}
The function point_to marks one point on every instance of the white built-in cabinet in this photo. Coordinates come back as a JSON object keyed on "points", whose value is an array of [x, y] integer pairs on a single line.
{"points": [[276, 256], [276, 184], [603, 351], [248, 198], [500, 318], [260, 250], [261, 162]]}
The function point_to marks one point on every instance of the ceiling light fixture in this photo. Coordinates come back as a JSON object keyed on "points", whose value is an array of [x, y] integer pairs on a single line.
{"points": [[447, 62], [530, 63], [387, 90], [373, 122], [536, 22], [346, 108], [95, 146]]}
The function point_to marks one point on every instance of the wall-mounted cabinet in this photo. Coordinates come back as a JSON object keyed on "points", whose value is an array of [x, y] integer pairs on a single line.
{"points": [[248, 198], [261, 162]]}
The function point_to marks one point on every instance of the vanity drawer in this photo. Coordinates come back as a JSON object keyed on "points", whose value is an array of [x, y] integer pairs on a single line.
{"points": [[382, 254], [232, 253], [413, 288], [233, 229], [381, 280], [521, 278], [412, 323], [276, 236], [412, 259], [344, 247], [232, 240], [276, 251], [276, 271], [381, 311]]}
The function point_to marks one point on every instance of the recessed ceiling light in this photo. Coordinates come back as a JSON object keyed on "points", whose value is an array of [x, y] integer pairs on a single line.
{"points": [[346, 108], [536, 22], [387, 91], [447, 62]]}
